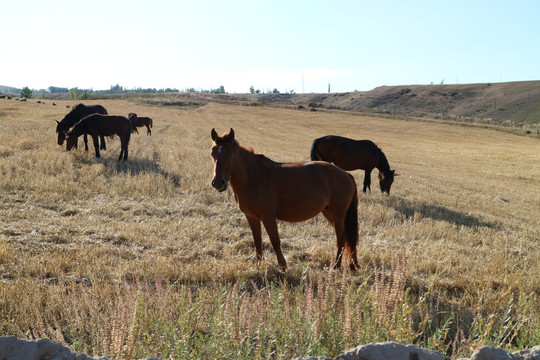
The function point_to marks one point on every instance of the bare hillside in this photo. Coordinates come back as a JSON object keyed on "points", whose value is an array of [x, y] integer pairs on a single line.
{"points": [[511, 104]]}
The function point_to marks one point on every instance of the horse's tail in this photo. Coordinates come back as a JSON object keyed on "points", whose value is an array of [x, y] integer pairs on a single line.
{"points": [[314, 153], [351, 228], [151, 122]]}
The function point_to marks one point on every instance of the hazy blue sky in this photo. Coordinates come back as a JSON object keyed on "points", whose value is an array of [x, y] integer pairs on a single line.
{"points": [[289, 45]]}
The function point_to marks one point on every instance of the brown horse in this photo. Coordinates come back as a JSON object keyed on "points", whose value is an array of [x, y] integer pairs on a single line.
{"points": [[138, 121], [266, 190], [351, 154], [102, 125], [75, 115]]}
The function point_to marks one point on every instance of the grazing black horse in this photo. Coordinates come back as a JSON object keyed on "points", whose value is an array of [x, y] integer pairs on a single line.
{"points": [[102, 125], [351, 154], [75, 115]]}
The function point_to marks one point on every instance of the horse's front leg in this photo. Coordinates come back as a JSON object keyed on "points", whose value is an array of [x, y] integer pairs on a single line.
{"points": [[96, 144], [270, 225], [255, 225], [367, 180], [85, 137]]}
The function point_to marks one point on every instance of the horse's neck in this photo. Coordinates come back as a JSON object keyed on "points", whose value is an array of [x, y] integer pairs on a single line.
{"points": [[246, 167], [67, 124], [79, 129], [383, 165]]}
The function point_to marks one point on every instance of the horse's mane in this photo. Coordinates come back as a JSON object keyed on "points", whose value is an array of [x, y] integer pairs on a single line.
{"points": [[250, 150]]}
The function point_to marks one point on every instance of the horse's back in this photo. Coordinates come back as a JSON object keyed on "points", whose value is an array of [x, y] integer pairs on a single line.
{"points": [[305, 189], [107, 125], [79, 112], [101, 110], [348, 154]]}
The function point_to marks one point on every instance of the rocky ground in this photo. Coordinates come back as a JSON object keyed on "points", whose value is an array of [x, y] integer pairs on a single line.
{"points": [[12, 348]]}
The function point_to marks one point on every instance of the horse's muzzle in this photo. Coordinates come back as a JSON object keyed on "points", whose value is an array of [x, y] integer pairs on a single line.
{"points": [[219, 185]]}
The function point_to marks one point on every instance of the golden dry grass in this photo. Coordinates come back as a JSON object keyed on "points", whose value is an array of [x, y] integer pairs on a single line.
{"points": [[464, 211]]}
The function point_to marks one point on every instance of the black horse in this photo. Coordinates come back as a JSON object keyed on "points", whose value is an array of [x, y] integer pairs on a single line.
{"points": [[351, 154], [75, 115], [99, 125]]}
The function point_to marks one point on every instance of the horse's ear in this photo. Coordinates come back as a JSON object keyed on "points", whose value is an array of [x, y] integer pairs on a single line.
{"points": [[231, 134], [214, 134], [57, 122]]}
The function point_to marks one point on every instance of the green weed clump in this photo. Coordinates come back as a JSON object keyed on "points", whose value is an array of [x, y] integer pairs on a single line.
{"points": [[322, 315]]}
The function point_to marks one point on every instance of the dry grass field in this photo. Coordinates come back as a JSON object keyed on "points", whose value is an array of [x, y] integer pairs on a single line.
{"points": [[120, 258]]}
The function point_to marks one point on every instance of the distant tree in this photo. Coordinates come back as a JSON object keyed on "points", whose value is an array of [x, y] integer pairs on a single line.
{"points": [[275, 91], [55, 89], [26, 93], [75, 93], [221, 90], [116, 89], [251, 89]]}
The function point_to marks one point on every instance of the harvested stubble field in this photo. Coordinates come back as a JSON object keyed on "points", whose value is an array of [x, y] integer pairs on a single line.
{"points": [[144, 258]]}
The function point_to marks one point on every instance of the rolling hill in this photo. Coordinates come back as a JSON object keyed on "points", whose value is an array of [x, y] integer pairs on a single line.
{"points": [[511, 104]]}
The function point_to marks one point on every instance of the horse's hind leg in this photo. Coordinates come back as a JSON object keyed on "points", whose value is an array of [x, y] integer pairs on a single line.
{"points": [[367, 180], [148, 132], [85, 137], [102, 146], [125, 146], [270, 225], [124, 142], [339, 227], [96, 144]]}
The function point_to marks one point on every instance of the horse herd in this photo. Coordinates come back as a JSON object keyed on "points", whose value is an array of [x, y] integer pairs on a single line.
{"points": [[265, 190], [94, 120]]}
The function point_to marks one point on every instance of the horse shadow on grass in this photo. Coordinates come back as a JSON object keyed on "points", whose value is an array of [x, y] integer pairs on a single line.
{"points": [[410, 209], [134, 167]]}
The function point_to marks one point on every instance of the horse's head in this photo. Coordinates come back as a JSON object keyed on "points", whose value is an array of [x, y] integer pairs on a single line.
{"points": [[71, 117], [223, 151], [61, 132], [71, 140], [385, 180]]}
